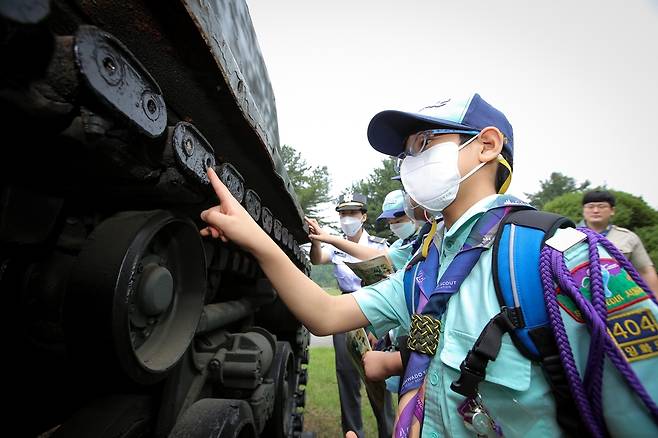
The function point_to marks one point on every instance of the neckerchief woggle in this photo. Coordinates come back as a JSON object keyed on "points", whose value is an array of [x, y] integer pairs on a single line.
{"points": [[434, 297]]}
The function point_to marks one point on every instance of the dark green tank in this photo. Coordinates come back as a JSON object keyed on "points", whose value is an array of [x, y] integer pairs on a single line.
{"points": [[119, 319]]}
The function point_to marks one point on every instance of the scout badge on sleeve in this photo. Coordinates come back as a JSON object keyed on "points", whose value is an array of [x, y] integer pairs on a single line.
{"points": [[621, 338], [552, 313]]}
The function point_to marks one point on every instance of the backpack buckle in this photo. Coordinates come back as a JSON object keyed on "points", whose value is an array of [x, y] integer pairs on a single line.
{"points": [[469, 379], [512, 316]]}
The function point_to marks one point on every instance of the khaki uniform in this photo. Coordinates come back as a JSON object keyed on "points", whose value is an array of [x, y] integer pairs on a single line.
{"points": [[630, 245]]}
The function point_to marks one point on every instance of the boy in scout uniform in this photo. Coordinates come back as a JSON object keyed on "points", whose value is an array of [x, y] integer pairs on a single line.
{"points": [[456, 160], [352, 216]]}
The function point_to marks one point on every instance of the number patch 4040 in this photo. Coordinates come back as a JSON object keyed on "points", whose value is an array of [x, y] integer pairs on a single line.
{"points": [[636, 334]]}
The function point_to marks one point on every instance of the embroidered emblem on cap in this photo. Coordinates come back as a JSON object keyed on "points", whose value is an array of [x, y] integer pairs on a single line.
{"points": [[438, 104]]}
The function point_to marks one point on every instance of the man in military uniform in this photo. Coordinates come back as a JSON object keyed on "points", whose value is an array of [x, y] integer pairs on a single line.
{"points": [[352, 215], [598, 210]]}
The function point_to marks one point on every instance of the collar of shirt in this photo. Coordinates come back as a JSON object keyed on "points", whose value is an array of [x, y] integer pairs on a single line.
{"points": [[604, 233], [458, 232], [363, 240]]}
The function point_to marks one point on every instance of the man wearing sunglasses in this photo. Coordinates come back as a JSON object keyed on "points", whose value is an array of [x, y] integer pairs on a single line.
{"points": [[598, 210]]}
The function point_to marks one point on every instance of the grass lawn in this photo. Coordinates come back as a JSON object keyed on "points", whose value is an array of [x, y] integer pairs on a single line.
{"points": [[322, 413]]}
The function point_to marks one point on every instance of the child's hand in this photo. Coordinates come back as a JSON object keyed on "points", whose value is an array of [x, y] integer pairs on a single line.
{"points": [[377, 366], [229, 220], [315, 231], [373, 340]]}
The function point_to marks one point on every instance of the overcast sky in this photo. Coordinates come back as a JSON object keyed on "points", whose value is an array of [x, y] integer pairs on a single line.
{"points": [[577, 79]]}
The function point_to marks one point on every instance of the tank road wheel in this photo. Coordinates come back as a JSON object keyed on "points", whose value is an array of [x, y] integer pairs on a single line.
{"points": [[282, 371], [136, 294], [216, 418]]}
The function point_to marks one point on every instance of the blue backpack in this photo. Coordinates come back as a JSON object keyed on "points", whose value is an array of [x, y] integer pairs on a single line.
{"points": [[536, 290]]}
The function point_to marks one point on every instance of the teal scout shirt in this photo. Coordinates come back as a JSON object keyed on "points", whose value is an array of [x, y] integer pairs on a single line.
{"points": [[515, 391], [400, 252]]}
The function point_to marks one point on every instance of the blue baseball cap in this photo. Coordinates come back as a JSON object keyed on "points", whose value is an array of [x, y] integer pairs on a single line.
{"points": [[388, 130], [393, 205]]}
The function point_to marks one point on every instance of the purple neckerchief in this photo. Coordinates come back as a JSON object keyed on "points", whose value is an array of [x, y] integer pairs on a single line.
{"points": [[479, 239]]}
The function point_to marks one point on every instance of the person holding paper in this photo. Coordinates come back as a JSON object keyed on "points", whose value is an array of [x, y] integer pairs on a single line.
{"points": [[402, 225], [352, 213]]}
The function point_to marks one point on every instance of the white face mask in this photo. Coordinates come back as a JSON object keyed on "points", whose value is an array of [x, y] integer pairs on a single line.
{"points": [[432, 178], [403, 229], [408, 206], [350, 225]]}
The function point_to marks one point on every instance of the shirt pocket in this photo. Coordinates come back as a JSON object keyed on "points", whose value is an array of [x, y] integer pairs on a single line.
{"points": [[510, 369], [625, 248]]}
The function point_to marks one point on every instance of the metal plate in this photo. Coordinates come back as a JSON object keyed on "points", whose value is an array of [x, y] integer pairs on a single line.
{"points": [[277, 230], [267, 220], [192, 151], [232, 180], [252, 204], [116, 77]]}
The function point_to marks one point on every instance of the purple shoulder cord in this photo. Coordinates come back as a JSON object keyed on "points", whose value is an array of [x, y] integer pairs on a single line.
{"points": [[588, 396]]}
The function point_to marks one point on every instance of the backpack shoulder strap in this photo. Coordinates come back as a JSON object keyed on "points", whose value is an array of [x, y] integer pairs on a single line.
{"points": [[516, 274], [517, 281]]}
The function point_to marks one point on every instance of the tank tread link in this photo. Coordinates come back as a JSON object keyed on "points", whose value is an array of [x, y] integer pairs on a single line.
{"points": [[120, 320]]}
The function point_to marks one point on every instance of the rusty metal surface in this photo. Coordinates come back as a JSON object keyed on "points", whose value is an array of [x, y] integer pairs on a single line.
{"points": [[211, 76], [227, 29]]}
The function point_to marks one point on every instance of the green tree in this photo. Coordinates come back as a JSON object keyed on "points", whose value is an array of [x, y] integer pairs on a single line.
{"points": [[311, 184], [649, 237], [556, 185], [631, 212], [376, 186]]}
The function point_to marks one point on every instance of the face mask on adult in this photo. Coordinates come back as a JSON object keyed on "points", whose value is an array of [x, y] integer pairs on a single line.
{"points": [[403, 229], [432, 178], [350, 225]]}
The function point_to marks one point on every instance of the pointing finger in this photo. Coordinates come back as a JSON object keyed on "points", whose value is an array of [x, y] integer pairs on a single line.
{"points": [[220, 189], [209, 232]]}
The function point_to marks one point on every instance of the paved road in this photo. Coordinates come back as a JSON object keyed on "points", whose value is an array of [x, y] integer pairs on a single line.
{"points": [[321, 341]]}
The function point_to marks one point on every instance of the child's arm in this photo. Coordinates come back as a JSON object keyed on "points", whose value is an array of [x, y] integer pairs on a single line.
{"points": [[316, 254], [380, 365], [361, 252], [320, 312]]}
